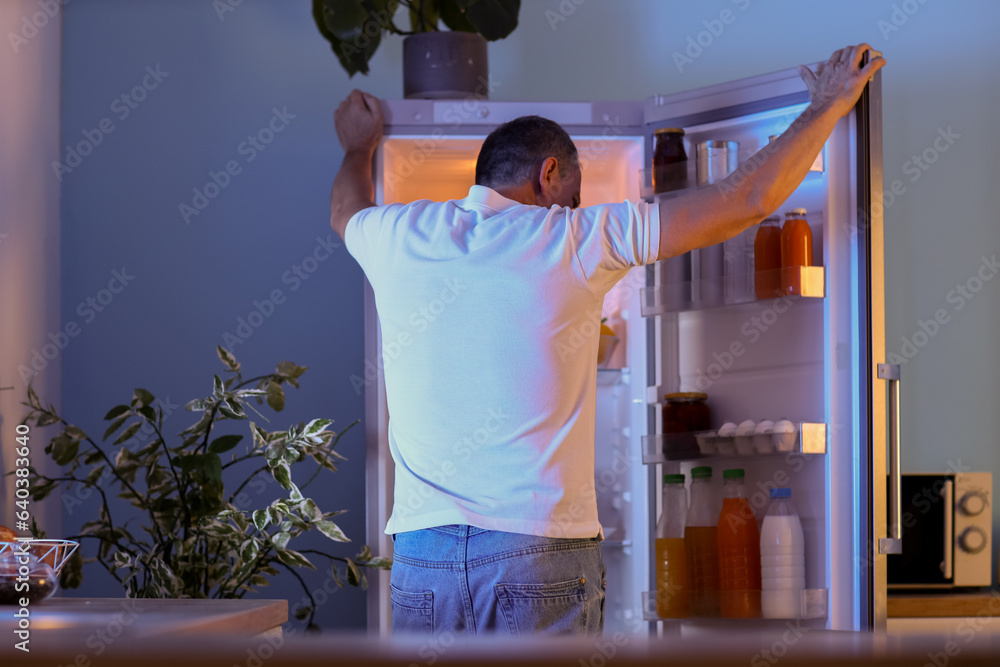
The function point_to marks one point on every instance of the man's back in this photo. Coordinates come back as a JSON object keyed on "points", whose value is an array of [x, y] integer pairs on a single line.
{"points": [[489, 312]]}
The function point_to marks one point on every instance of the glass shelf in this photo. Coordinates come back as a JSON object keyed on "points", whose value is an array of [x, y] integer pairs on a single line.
{"points": [[814, 605], [814, 177], [809, 438], [809, 283]]}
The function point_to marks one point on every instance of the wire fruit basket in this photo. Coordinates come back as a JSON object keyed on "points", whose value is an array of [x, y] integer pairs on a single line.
{"points": [[53, 552]]}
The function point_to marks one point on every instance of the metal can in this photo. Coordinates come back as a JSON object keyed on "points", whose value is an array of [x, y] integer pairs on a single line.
{"points": [[669, 160], [716, 160]]}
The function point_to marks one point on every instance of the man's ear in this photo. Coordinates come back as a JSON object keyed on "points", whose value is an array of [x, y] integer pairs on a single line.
{"points": [[549, 183]]}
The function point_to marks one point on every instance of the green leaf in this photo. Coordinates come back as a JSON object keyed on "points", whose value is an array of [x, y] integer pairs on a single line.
{"points": [[331, 530], [454, 17], [354, 576], [302, 613], [141, 398], [294, 559], [74, 432], [224, 443], [316, 426], [47, 418], [128, 433], [115, 425], [380, 563], [219, 387], [94, 475], [227, 358], [149, 413], [291, 372], [198, 405], [424, 16], [211, 467], [260, 519], [275, 396], [309, 510], [64, 449], [249, 550], [345, 19], [280, 540], [282, 474], [493, 19]]}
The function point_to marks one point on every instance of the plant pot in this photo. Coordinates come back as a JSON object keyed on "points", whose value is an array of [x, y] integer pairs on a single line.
{"points": [[445, 64]]}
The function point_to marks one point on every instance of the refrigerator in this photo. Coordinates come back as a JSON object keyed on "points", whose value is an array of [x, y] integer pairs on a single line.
{"points": [[816, 359]]}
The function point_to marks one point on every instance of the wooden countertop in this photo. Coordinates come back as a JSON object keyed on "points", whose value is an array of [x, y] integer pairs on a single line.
{"points": [[74, 617], [944, 604]]}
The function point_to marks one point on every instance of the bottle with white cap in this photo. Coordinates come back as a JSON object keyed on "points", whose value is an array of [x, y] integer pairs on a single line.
{"points": [[782, 558]]}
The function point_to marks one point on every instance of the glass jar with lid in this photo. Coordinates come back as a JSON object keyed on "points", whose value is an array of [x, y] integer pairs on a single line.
{"points": [[686, 412]]}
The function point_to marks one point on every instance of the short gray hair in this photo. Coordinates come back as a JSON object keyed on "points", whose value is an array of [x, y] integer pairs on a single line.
{"points": [[513, 153]]}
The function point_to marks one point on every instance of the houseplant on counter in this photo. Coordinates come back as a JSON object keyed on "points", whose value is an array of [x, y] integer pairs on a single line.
{"points": [[193, 540], [436, 63]]}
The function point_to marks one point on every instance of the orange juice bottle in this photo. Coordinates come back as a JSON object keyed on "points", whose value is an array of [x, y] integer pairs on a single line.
{"points": [[767, 258], [739, 551], [673, 588], [796, 249], [701, 543]]}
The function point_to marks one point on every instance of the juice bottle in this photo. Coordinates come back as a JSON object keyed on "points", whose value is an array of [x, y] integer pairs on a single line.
{"points": [[739, 551], [796, 249], [767, 258], [673, 589], [700, 541]]}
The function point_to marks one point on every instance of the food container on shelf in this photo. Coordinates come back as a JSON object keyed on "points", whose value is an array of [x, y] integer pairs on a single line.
{"points": [[744, 437], [763, 437], [783, 435]]}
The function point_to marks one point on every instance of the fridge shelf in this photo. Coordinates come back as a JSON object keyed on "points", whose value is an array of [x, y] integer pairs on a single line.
{"points": [[809, 438], [814, 605], [814, 177], [809, 283]]}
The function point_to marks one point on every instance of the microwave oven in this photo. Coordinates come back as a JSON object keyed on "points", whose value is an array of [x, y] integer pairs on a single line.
{"points": [[947, 522]]}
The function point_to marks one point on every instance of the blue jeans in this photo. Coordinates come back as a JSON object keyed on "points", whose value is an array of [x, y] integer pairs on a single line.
{"points": [[468, 580]]}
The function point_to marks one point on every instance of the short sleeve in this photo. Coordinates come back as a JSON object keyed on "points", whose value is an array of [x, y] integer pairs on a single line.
{"points": [[611, 239], [362, 233]]}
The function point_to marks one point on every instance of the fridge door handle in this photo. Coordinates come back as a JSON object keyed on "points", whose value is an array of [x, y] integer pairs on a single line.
{"points": [[893, 544], [948, 564]]}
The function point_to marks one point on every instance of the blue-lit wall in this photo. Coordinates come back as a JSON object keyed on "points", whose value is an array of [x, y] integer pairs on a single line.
{"points": [[221, 78]]}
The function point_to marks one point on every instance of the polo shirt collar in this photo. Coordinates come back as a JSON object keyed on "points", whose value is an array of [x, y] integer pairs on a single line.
{"points": [[490, 198]]}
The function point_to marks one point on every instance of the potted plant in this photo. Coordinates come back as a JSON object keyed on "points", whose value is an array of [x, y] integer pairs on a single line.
{"points": [[436, 63], [186, 536]]}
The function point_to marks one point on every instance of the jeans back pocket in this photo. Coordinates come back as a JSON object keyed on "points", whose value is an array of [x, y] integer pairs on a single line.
{"points": [[412, 612], [557, 608]]}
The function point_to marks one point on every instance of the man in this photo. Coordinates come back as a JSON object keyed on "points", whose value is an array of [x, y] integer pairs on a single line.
{"points": [[491, 427]]}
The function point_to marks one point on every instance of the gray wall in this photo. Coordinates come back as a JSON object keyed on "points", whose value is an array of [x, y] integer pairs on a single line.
{"points": [[193, 280]]}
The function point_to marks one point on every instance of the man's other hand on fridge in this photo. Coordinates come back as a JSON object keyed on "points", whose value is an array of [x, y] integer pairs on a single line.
{"points": [[358, 121], [838, 83]]}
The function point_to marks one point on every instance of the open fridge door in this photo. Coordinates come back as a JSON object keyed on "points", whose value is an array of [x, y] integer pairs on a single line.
{"points": [[805, 356]]}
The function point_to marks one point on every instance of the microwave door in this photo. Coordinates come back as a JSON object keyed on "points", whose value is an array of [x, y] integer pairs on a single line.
{"points": [[927, 539]]}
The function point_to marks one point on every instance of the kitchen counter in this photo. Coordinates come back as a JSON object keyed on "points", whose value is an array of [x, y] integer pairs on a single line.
{"points": [[798, 647], [944, 604], [96, 623]]}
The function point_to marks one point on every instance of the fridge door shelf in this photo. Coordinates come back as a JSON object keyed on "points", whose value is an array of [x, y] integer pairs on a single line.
{"points": [[813, 178], [814, 605], [807, 282], [809, 438]]}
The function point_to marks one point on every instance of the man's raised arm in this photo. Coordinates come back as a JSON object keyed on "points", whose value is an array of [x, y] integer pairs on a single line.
{"points": [[712, 215], [358, 121]]}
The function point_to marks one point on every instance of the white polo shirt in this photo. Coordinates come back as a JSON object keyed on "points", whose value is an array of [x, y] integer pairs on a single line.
{"points": [[490, 313]]}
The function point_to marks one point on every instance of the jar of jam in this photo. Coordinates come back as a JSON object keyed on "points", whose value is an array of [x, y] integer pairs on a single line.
{"points": [[686, 412], [669, 160]]}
